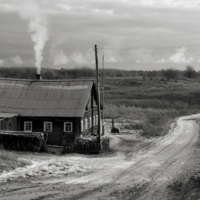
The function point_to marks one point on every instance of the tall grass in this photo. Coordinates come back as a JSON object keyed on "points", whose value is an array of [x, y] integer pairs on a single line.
{"points": [[153, 122], [153, 106]]}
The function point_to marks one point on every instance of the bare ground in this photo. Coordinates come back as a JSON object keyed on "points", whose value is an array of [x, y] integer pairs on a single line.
{"points": [[138, 170]]}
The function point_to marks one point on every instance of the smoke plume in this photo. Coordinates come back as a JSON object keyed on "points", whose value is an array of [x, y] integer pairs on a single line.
{"points": [[29, 10]]}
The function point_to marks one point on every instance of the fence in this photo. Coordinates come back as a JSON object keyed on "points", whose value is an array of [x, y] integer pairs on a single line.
{"points": [[88, 148]]}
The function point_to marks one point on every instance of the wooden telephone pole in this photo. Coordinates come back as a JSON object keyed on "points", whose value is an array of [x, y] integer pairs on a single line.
{"points": [[103, 131], [98, 100]]}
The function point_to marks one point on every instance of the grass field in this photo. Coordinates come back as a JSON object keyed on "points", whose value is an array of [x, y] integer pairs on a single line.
{"points": [[151, 105]]}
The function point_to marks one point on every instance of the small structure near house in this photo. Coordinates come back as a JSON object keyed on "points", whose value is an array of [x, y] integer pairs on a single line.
{"points": [[61, 109]]}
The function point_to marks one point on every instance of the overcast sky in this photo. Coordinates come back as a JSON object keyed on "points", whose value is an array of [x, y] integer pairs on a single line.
{"points": [[133, 34]]}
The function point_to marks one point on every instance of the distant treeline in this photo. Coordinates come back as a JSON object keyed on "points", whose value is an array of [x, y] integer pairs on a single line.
{"points": [[85, 72]]}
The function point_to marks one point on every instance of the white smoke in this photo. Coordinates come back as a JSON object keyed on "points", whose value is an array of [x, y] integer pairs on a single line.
{"points": [[29, 10]]}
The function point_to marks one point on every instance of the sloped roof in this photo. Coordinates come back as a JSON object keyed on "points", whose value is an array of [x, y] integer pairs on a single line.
{"points": [[8, 115], [44, 98]]}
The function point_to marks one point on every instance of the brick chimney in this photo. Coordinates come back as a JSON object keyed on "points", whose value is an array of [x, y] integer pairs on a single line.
{"points": [[38, 76]]}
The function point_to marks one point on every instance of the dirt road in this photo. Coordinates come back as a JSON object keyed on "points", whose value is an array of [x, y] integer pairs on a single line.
{"points": [[143, 174]]}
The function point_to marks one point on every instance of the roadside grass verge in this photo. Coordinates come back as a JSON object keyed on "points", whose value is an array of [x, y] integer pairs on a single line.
{"points": [[10, 161], [152, 122]]}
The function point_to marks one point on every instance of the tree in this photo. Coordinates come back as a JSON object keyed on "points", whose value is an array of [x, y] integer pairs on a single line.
{"points": [[48, 75], [189, 71], [170, 73]]}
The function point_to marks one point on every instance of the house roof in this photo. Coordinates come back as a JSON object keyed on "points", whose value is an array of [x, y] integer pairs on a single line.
{"points": [[45, 98], [8, 115]]}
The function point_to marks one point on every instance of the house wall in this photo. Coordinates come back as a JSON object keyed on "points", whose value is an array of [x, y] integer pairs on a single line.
{"points": [[91, 128], [8, 124], [90, 112], [57, 135]]}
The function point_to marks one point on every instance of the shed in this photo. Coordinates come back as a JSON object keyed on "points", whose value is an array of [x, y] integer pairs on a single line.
{"points": [[63, 109]]}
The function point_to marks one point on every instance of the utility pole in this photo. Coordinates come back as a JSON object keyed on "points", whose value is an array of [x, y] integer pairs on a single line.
{"points": [[103, 94], [98, 100]]}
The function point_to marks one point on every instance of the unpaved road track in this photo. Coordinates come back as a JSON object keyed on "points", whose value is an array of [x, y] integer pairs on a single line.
{"points": [[142, 176]]}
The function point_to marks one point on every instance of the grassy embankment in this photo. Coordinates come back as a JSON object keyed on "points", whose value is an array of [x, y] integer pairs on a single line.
{"points": [[151, 105], [9, 161]]}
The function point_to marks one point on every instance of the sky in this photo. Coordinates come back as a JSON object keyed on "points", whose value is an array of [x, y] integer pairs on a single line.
{"points": [[131, 34]]}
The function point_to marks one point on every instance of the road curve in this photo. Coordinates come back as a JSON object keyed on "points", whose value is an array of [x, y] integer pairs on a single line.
{"points": [[144, 176], [148, 174]]}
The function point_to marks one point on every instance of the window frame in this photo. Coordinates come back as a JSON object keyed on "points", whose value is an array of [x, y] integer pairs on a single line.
{"points": [[44, 126], [71, 123], [90, 121], [94, 121], [86, 124], [26, 122], [82, 128]]}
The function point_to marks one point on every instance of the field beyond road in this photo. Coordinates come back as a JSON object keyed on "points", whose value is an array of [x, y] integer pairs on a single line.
{"points": [[142, 174]]}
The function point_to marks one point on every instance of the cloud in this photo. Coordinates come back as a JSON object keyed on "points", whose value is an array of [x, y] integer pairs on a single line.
{"points": [[112, 56], [140, 55], [59, 58], [63, 6], [161, 60], [1, 62], [139, 61], [171, 3], [17, 60], [78, 57], [180, 57]]}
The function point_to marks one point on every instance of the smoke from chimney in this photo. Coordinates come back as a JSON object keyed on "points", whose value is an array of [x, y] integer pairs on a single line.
{"points": [[37, 27]]}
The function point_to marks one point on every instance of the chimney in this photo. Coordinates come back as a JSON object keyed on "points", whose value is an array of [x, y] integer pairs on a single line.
{"points": [[38, 76]]}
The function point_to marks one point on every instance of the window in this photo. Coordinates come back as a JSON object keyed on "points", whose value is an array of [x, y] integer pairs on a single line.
{"points": [[86, 126], [48, 126], [81, 125], [90, 122], [67, 126], [94, 121], [28, 126]]}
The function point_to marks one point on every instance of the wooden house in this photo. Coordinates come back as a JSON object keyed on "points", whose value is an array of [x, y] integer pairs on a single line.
{"points": [[64, 109]]}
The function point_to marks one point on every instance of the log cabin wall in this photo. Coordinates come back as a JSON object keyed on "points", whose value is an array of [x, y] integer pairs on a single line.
{"points": [[89, 120], [89, 127], [8, 124], [57, 135]]}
